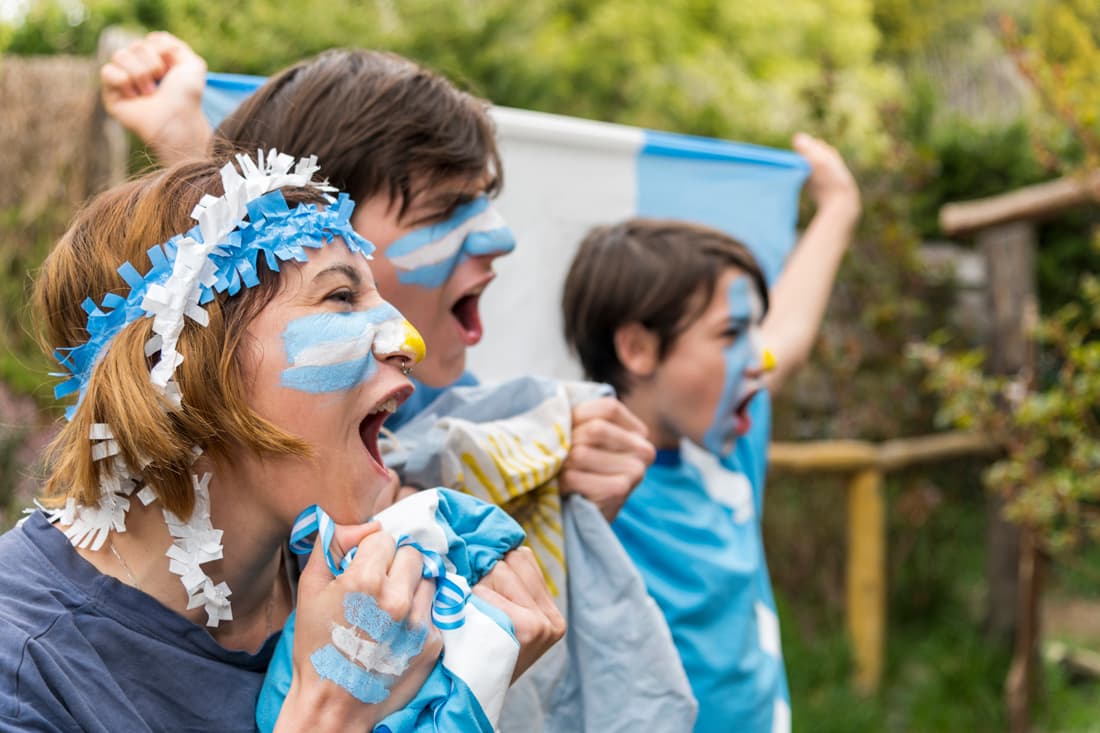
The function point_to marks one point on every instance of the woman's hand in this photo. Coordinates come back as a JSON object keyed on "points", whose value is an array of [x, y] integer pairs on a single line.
{"points": [[364, 643], [515, 586], [154, 88]]}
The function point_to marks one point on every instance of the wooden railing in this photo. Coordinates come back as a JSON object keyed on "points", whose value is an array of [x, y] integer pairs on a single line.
{"points": [[865, 575]]}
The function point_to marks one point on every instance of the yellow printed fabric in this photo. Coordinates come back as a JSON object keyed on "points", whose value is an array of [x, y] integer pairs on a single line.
{"points": [[505, 444]]}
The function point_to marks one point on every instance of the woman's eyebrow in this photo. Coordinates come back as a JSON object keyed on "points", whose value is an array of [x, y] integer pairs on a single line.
{"points": [[347, 270]]}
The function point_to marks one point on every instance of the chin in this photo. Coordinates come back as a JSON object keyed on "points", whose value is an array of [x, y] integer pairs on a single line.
{"points": [[441, 375]]}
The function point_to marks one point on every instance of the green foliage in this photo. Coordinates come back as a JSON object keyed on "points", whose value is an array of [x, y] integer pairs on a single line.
{"points": [[743, 70], [22, 363], [1051, 472]]}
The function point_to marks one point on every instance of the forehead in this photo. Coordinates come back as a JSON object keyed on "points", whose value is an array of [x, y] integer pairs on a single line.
{"points": [[734, 296], [449, 191], [334, 254]]}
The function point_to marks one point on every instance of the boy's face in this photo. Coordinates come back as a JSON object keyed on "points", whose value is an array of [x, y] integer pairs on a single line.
{"points": [[433, 263], [703, 386]]}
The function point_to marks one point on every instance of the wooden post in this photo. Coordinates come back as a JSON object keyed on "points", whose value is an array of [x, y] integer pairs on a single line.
{"points": [[1021, 684], [109, 147], [866, 576], [1014, 583], [1009, 251]]}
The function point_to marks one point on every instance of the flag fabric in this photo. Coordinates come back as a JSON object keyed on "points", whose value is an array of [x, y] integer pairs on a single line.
{"points": [[564, 175], [461, 539]]}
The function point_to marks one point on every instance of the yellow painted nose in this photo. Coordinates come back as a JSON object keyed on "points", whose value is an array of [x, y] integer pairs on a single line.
{"points": [[767, 360], [414, 343]]}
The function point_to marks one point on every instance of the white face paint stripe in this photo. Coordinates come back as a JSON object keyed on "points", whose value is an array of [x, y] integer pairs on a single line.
{"points": [[370, 655], [446, 247]]}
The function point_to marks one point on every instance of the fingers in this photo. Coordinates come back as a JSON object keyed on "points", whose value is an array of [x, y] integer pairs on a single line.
{"points": [[521, 562], [134, 70], [611, 410]]}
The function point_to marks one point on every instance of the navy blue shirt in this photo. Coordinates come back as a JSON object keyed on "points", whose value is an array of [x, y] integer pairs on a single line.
{"points": [[81, 651]]}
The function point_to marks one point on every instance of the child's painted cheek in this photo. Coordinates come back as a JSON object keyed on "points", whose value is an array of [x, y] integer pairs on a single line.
{"points": [[737, 358], [334, 352], [427, 257]]}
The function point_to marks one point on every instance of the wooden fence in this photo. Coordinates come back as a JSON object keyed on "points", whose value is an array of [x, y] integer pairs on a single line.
{"points": [[865, 576]]}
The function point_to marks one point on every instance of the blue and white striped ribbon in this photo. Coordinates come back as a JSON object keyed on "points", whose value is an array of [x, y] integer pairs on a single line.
{"points": [[452, 592]]}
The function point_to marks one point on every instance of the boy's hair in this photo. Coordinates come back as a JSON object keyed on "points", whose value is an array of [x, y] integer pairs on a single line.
{"points": [[658, 273], [377, 122], [119, 226]]}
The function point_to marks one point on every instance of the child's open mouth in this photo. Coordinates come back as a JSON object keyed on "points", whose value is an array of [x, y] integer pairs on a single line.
{"points": [[468, 317], [742, 421]]}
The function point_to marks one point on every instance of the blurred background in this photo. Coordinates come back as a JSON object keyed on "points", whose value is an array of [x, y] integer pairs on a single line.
{"points": [[977, 606]]}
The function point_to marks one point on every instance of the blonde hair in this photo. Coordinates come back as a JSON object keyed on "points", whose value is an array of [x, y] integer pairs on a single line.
{"points": [[154, 438]]}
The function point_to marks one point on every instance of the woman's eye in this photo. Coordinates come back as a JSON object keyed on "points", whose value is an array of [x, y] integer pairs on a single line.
{"points": [[341, 296]]}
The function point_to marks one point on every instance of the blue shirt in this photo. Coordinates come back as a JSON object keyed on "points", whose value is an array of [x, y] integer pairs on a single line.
{"points": [[80, 651], [696, 538]]}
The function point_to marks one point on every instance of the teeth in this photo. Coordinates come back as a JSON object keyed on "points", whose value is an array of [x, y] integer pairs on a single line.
{"points": [[389, 405]]}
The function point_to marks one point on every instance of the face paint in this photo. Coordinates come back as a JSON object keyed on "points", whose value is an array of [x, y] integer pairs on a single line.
{"points": [[367, 667], [332, 352], [744, 353], [428, 256], [362, 684]]}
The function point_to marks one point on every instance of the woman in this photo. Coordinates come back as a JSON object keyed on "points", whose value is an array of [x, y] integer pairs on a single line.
{"points": [[257, 388]]}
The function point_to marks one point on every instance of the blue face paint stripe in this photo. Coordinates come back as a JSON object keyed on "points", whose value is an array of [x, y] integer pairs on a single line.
{"points": [[363, 685], [362, 611], [416, 239], [737, 357], [312, 333], [333, 378], [490, 242]]}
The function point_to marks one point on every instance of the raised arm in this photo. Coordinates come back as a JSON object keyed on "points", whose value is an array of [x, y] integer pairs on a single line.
{"points": [[801, 293], [154, 88]]}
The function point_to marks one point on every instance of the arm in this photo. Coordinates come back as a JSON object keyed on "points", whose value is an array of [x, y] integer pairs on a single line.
{"points": [[801, 293], [153, 87]]}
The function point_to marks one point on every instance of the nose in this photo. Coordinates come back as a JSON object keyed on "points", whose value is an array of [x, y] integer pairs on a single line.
{"points": [[398, 339]]}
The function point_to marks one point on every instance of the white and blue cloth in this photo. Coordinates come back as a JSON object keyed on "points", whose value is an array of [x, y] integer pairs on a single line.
{"points": [[461, 539]]}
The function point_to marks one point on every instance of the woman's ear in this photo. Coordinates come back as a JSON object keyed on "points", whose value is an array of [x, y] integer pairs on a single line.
{"points": [[637, 349]]}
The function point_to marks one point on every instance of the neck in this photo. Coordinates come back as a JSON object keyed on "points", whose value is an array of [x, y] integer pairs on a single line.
{"points": [[251, 565], [661, 434]]}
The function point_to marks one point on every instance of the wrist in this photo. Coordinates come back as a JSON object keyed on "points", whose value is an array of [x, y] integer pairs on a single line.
{"points": [[320, 708], [845, 206]]}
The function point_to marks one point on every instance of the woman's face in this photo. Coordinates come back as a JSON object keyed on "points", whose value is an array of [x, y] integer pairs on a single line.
{"points": [[323, 362]]}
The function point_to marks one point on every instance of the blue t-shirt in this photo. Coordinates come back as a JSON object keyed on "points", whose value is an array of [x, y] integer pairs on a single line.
{"points": [[695, 536], [80, 651]]}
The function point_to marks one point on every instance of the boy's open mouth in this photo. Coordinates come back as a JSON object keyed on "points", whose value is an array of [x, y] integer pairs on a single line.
{"points": [[742, 421], [468, 317]]}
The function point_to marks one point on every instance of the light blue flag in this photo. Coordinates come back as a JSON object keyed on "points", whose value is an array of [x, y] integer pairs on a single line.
{"points": [[564, 175]]}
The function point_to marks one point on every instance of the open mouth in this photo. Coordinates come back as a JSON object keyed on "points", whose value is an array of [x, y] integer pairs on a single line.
{"points": [[742, 421], [371, 425], [468, 316]]}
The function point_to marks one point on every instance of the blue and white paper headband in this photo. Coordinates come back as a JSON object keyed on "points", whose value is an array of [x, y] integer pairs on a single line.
{"points": [[218, 255]]}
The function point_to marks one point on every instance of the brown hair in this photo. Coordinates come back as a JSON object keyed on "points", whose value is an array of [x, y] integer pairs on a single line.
{"points": [[377, 122], [119, 226], [659, 273]]}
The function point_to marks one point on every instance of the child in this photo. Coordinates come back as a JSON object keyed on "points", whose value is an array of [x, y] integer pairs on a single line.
{"points": [[679, 319]]}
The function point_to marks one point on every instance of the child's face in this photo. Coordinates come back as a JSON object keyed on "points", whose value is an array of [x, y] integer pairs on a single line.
{"points": [[704, 384], [442, 298]]}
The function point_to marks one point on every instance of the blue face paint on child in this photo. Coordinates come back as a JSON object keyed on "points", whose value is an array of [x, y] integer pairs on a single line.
{"points": [[332, 352], [743, 354], [428, 256]]}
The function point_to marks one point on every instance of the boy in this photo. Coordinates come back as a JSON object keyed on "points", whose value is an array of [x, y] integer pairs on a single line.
{"points": [[679, 319]]}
